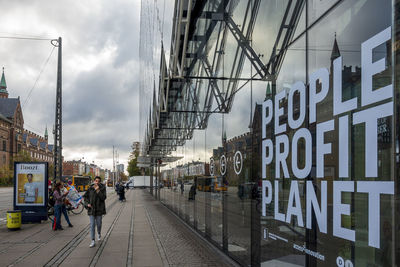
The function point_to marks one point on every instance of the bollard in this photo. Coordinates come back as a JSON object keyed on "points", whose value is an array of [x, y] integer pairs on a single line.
{"points": [[14, 220]]}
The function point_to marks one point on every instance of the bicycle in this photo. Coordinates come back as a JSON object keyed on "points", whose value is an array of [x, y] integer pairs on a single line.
{"points": [[50, 207], [75, 210]]}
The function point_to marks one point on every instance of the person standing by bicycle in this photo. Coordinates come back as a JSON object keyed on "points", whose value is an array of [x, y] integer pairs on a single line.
{"points": [[59, 197], [95, 198]]}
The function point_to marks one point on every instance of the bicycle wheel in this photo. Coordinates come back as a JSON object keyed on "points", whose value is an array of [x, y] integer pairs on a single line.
{"points": [[78, 209]]}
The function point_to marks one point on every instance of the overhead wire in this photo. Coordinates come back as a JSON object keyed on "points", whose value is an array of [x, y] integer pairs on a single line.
{"points": [[31, 127], [33, 38], [37, 79], [26, 38]]}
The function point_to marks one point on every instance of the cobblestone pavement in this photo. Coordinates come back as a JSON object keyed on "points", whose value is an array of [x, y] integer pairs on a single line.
{"points": [[6, 202], [178, 245]]}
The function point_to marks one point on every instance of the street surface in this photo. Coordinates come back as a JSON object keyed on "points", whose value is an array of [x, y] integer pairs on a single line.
{"points": [[208, 217], [139, 232], [6, 202]]}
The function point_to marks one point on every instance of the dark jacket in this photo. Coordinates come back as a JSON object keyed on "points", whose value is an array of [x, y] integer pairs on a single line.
{"points": [[96, 200], [120, 189]]}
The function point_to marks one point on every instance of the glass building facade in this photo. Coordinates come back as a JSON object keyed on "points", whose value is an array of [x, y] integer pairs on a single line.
{"points": [[295, 162]]}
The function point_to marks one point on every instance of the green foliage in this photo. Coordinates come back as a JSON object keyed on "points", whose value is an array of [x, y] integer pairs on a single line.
{"points": [[123, 176], [133, 169], [7, 172], [22, 156], [6, 176]]}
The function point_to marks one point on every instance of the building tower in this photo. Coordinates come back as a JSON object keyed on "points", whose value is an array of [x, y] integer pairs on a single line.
{"points": [[3, 87], [335, 51], [46, 135]]}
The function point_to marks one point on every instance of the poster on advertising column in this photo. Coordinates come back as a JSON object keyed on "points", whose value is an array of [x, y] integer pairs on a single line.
{"points": [[30, 190]]}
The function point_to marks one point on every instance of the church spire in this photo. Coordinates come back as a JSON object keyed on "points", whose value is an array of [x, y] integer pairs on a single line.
{"points": [[3, 86], [46, 135], [335, 50], [268, 92]]}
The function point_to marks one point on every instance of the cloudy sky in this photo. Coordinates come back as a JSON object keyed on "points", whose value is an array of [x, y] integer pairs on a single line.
{"points": [[100, 71]]}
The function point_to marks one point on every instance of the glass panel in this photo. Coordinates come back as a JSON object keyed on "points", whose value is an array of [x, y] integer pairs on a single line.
{"points": [[301, 25], [200, 209], [239, 183], [341, 34], [396, 157], [267, 26], [239, 8], [273, 249], [212, 139], [293, 67], [216, 210], [318, 7]]}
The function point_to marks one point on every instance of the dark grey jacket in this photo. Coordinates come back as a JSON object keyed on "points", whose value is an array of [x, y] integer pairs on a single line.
{"points": [[96, 200]]}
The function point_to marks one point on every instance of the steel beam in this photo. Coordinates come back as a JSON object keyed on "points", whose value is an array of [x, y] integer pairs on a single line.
{"points": [[244, 43], [286, 31]]}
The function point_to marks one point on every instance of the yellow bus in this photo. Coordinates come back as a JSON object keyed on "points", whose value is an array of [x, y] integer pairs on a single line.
{"points": [[81, 183], [211, 184]]}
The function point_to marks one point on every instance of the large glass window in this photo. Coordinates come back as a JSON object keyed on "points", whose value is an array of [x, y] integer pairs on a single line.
{"points": [[329, 156], [339, 37], [340, 180]]}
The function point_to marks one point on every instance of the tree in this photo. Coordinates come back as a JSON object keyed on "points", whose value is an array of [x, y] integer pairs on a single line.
{"points": [[6, 176], [133, 169], [123, 176], [22, 156]]}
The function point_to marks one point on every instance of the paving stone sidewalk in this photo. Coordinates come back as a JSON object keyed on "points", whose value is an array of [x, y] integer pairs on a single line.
{"points": [[138, 232], [177, 245]]}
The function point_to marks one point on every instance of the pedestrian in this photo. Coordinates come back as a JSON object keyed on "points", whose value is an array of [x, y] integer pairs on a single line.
{"points": [[182, 187], [192, 192], [95, 198], [117, 190], [58, 202], [121, 192], [64, 207]]}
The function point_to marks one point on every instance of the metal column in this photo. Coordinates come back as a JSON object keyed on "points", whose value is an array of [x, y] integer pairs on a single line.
{"points": [[58, 117]]}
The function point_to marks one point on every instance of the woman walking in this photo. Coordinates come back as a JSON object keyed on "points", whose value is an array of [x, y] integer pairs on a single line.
{"points": [[95, 198]]}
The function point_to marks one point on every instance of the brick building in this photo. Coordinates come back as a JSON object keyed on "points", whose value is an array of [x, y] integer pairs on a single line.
{"points": [[13, 137], [74, 167]]}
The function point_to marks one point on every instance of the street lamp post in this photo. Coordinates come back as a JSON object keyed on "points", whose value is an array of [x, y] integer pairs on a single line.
{"points": [[58, 116]]}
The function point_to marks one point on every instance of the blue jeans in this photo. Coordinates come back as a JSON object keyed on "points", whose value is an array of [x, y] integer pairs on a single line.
{"points": [[95, 221], [57, 215], [64, 211]]}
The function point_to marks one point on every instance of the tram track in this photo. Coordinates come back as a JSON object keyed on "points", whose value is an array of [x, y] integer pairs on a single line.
{"points": [[61, 255], [129, 257], [23, 241], [96, 257], [64, 252]]}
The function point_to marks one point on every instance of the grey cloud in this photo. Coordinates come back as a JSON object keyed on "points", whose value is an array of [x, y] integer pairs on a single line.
{"points": [[100, 101]]}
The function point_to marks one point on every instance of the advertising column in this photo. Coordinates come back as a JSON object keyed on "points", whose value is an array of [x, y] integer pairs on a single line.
{"points": [[30, 190]]}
